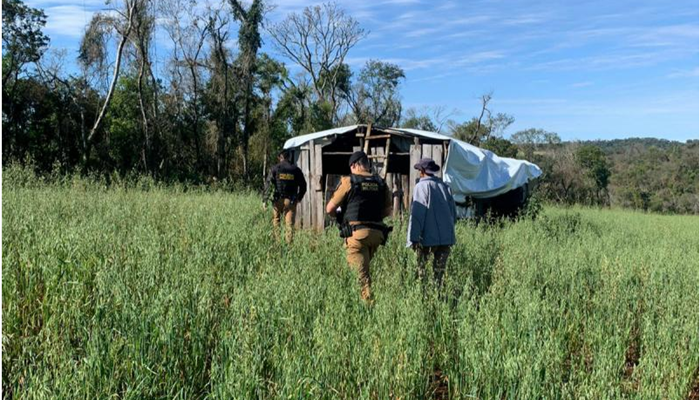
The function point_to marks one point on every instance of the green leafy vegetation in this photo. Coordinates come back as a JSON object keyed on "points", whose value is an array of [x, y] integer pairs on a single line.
{"points": [[136, 290]]}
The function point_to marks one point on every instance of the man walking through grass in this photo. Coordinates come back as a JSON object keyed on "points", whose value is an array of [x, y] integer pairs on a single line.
{"points": [[431, 229], [365, 201], [289, 188]]}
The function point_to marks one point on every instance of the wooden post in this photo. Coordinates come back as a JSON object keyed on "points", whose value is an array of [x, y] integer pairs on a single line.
{"points": [[298, 161], [396, 194], [386, 154], [317, 194], [427, 151], [380, 162], [312, 186], [437, 156], [390, 187], [407, 192], [416, 154], [367, 134], [304, 207]]}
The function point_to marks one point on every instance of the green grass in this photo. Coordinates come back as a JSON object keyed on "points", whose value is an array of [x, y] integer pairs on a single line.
{"points": [[168, 293]]}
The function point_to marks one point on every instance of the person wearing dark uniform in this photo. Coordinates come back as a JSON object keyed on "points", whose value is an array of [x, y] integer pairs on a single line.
{"points": [[365, 201], [289, 188]]}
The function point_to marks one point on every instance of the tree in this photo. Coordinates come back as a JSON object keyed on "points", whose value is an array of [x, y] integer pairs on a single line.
{"points": [[593, 161], [22, 43], [531, 139], [269, 76], [221, 99], [292, 106], [318, 40], [430, 119], [22, 39], [143, 29], [420, 122], [92, 51], [472, 131], [249, 43], [374, 98], [188, 29], [479, 130], [500, 146]]}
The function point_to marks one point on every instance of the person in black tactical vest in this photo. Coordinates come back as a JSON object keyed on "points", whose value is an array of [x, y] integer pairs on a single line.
{"points": [[289, 188], [365, 201]]}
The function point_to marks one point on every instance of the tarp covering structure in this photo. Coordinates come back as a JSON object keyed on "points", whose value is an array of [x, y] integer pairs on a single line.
{"points": [[478, 173], [469, 170]]}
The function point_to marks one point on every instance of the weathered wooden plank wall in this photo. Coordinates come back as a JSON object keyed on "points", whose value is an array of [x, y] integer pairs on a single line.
{"points": [[309, 158]]}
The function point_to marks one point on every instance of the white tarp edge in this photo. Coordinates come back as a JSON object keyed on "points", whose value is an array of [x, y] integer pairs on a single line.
{"points": [[300, 140], [425, 134], [479, 173]]}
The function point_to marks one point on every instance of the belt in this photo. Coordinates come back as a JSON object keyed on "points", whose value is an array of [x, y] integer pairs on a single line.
{"points": [[376, 227]]}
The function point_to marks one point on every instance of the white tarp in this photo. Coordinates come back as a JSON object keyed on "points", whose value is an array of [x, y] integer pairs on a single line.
{"points": [[324, 136], [469, 170], [479, 173]]}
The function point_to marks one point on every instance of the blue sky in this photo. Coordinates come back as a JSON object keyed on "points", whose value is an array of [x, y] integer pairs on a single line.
{"points": [[587, 70]]}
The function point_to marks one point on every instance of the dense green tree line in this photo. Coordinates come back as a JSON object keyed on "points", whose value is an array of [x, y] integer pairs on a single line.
{"points": [[209, 111], [204, 111]]}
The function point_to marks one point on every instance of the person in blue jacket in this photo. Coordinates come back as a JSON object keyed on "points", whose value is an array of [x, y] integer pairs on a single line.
{"points": [[431, 229]]}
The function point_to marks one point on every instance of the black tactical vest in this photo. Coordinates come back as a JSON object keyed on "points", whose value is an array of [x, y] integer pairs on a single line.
{"points": [[286, 184], [365, 202]]}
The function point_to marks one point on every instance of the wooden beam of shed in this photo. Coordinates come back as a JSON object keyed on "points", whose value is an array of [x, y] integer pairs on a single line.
{"points": [[386, 151], [369, 132], [379, 137]]}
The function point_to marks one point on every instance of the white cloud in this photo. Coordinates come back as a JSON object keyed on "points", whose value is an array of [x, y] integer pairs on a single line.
{"points": [[89, 4], [400, 2], [68, 20], [415, 33], [479, 57], [683, 73]]}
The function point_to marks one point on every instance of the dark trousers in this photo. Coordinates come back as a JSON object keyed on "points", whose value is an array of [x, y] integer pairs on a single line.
{"points": [[440, 255]]}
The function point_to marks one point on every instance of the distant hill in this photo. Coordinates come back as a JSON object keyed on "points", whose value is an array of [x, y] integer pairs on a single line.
{"points": [[614, 146], [648, 174]]}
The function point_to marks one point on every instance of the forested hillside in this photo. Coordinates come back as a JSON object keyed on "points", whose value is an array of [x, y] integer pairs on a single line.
{"points": [[644, 174]]}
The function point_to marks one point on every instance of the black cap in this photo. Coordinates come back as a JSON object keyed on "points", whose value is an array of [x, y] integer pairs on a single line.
{"points": [[427, 165], [357, 156]]}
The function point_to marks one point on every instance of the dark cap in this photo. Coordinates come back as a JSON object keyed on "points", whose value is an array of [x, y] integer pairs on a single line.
{"points": [[357, 156], [284, 153], [427, 165]]}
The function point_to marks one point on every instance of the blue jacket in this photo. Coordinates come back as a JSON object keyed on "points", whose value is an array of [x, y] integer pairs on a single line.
{"points": [[433, 214]]}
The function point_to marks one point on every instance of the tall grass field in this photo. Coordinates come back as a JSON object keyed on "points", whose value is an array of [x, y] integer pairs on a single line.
{"points": [[144, 292]]}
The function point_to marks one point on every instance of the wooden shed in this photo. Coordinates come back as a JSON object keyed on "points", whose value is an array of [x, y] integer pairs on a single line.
{"points": [[323, 158]]}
